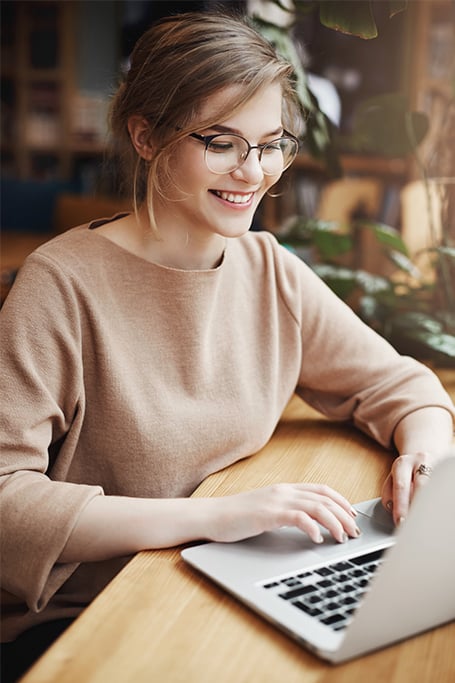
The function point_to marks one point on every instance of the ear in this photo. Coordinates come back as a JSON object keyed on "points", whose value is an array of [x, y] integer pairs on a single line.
{"points": [[139, 131]]}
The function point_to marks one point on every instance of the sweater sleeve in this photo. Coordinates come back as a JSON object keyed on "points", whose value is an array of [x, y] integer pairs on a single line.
{"points": [[41, 407], [348, 371]]}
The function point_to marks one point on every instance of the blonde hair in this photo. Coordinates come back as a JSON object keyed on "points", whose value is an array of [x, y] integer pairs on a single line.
{"points": [[175, 66]]}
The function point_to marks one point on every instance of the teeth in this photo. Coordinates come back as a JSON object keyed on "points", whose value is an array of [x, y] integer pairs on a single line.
{"points": [[234, 198]]}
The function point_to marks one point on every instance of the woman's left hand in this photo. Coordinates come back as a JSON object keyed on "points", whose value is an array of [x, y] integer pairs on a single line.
{"points": [[423, 437], [408, 474]]}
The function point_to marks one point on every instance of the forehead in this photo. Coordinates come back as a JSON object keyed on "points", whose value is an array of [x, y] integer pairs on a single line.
{"points": [[261, 110]]}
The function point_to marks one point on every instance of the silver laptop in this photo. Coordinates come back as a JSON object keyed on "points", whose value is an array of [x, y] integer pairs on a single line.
{"points": [[343, 600]]}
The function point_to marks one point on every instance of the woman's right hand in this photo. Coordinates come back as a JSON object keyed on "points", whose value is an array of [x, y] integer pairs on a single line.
{"points": [[305, 506], [113, 526]]}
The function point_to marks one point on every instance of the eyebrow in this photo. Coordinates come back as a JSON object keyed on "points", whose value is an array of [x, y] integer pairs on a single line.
{"points": [[236, 131]]}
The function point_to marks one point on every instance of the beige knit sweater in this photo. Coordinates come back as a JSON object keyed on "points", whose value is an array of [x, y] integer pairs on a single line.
{"points": [[124, 377]]}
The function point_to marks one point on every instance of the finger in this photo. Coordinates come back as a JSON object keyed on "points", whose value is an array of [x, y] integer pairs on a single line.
{"points": [[387, 494], [402, 478], [331, 516], [305, 523], [330, 493], [420, 476]]}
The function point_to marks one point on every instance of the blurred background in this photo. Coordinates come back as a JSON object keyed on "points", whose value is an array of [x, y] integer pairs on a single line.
{"points": [[61, 61]]}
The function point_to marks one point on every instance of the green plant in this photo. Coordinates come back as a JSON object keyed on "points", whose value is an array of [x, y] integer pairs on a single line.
{"points": [[415, 311], [353, 17]]}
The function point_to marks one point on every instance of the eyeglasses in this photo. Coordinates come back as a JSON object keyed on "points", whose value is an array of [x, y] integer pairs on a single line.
{"points": [[226, 153]]}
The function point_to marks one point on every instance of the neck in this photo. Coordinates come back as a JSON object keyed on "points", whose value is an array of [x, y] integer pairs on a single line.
{"points": [[176, 247]]}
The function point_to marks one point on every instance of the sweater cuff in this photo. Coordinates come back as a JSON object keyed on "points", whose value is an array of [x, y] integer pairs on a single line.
{"points": [[39, 516]]}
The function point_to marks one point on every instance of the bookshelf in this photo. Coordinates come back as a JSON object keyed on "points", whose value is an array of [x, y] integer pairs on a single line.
{"points": [[47, 125], [432, 82], [423, 62], [49, 128]]}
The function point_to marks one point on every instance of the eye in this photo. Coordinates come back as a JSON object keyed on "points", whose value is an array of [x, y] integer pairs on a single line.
{"points": [[220, 146], [271, 147], [223, 144]]}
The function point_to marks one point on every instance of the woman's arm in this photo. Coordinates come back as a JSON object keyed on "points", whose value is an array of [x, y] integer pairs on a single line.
{"points": [[422, 438], [112, 526]]}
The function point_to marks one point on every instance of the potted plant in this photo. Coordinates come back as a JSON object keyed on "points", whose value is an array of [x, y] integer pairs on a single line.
{"points": [[413, 307]]}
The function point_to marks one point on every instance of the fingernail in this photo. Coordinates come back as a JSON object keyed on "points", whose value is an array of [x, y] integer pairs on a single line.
{"points": [[319, 539], [401, 520], [344, 538], [389, 505], [354, 512], [357, 531]]}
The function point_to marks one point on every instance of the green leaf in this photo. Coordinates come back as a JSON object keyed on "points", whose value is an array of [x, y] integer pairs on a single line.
{"points": [[397, 6], [418, 322], [446, 251], [342, 281], [281, 5], [443, 343], [319, 135], [354, 17], [279, 37], [386, 235], [405, 264], [331, 245], [371, 284], [383, 125]]}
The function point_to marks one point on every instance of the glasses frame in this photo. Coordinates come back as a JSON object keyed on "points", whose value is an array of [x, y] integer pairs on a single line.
{"points": [[207, 139]]}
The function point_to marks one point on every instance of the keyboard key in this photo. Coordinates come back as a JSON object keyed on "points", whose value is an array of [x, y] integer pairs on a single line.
{"points": [[332, 593], [330, 606], [297, 592], [333, 619], [325, 583], [372, 567], [311, 611], [369, 557], [363, 583], [341, 566], [340, 578], [324, 571], [314, 598], [348, 600], [292, 582]]}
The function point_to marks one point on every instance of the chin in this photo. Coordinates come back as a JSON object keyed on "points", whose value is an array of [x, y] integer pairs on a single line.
{"points": [[234, 230]]}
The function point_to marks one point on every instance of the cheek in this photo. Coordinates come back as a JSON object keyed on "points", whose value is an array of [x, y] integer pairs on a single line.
{"points": [[270, 181], [190, 175]]}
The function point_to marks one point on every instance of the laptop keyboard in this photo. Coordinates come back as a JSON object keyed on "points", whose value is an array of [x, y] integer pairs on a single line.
{"points": [[330, 593]]}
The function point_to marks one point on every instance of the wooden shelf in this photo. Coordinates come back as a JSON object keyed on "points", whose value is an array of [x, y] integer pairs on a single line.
{"points": [[425, 81], [356, 163], [40, 103]]}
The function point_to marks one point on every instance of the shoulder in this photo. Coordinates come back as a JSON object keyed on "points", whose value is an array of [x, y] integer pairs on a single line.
{"points": [[262, 249], [265, 256], [79, 254], [68, 247], [57, 271]]}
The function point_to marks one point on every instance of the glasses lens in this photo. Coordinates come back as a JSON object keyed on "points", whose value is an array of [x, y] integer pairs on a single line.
{"points": [[278, 155], [225, 153]]}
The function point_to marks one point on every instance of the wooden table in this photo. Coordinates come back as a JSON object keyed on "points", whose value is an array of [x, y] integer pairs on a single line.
{"points": [[159, 621]]}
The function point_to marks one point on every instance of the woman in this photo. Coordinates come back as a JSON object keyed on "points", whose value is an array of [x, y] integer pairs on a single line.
{"points": [[144, 352]]}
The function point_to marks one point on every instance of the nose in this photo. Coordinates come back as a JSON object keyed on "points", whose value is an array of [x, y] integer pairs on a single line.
{"points": [[251, 170]]}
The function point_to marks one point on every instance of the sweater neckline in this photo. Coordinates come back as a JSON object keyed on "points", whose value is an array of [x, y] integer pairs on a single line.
{"points": [[153, 265]]}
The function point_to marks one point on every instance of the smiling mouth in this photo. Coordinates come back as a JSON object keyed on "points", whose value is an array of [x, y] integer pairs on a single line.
{"points": [[233, 197]]}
